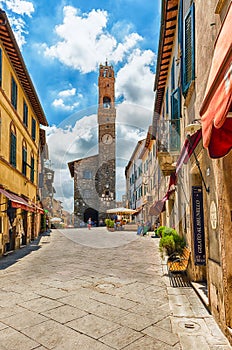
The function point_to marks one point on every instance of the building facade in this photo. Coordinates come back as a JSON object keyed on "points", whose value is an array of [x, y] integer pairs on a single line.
{"points": [[20, 145], [94, 177], [193, 135]]}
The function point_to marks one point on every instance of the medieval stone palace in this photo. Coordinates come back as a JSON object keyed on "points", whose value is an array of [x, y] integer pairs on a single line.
{"points": [[94, 176]]}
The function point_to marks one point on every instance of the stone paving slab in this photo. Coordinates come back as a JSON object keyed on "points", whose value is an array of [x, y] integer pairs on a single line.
{"points": [[10, 339], [121, 337], [79, 297], [93, 326]]}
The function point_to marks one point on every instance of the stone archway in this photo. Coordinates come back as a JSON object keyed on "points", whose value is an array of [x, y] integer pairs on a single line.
{"points": [[91, 213]]}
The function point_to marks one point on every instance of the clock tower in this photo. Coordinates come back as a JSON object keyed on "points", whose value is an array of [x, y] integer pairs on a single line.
{"points": [[105, 177]]}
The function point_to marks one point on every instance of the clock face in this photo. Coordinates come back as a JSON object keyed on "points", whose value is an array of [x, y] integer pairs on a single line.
{"points": [[107, 139]]}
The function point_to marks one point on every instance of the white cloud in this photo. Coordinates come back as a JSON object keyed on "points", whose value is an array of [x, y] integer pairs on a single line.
{"points": [[84, 41], [67, 93], [16, 10], [68, 100], [21, 7], [135, 80]]}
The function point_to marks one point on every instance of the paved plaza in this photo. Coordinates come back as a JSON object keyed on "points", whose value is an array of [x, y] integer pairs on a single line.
{"points": [[98, 290]]}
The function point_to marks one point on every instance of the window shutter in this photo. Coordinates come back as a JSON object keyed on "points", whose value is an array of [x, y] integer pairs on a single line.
{"points": [[32, 169], [24, 164], [13, 150], [175, 120], [14, 93], [25, 113], [33, 129], [173, 74], [167, 101], [189, 50]]}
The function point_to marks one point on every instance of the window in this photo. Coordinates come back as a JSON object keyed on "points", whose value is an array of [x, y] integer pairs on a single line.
{"points": [[173, 74], [14, 93], [32, 174], [167, 101], [25, 114], [188, 50], [13, 146], [87, 194], [106, 102], [33, 129], [0, 67], [87, 174], [175, 120], [24, 159]]}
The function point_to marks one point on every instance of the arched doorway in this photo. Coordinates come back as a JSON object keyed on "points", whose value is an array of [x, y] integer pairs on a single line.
{"points": [[93, 214]]}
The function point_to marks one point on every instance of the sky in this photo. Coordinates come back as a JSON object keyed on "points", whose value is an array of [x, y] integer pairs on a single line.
{"points": [[63, 43]]}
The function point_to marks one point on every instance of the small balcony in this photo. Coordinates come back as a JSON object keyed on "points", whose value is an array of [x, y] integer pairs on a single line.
{"points": [[168, 144]]}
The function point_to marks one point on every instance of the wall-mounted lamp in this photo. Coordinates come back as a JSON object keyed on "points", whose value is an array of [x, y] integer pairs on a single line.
{"points": [[198, 164]]}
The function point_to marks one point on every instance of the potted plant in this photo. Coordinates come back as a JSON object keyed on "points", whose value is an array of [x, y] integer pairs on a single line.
{"points": [[170, 241], [109, 224]]}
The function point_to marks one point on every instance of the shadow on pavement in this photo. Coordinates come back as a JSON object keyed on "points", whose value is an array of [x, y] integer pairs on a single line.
{"points": [[16, 255]]}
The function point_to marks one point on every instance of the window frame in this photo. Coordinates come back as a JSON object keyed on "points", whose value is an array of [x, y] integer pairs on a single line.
{"points": [[24, 159], [13, 146], [25, 113], [33, 128]]}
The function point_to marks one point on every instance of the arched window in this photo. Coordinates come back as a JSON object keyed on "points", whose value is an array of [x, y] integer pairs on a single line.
{"points": [[24, 158], [106, 102], [32, 175], [13, 145]]}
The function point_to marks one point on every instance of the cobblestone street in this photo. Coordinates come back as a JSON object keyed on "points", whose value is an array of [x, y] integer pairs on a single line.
{"points": [[90, 290]]}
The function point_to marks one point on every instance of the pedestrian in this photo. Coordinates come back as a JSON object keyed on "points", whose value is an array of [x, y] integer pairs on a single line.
{"points": [[89, 223]]}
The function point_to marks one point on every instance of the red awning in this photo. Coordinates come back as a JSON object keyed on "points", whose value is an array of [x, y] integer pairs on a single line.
{"points": [[159, 206], [39, 209], [187, 150], [217, 103], [16, 201]]}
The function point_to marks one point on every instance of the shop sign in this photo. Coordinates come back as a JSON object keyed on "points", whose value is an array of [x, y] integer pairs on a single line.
{"points": [[198, 225]]}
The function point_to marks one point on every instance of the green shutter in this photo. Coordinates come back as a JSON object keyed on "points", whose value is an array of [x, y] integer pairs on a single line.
{"points": [[14, 93], [32, 169], [24, 162], [13, 150], [25, 113], [33, 129], [189, 50]]}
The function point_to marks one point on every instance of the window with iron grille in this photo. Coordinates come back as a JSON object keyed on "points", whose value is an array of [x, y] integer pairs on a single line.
{"points": [[25, 114], [14, 93], [188, 50]]}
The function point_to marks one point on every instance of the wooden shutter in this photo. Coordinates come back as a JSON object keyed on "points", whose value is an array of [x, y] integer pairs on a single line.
{"points": [[13, 149], [189, 50], [32, 169], [14, 93], [25, 113], [24, 163], [33, 129]]}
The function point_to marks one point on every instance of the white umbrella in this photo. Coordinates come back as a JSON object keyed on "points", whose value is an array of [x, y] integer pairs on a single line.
{"points": [[56, 220], [121, 211]]}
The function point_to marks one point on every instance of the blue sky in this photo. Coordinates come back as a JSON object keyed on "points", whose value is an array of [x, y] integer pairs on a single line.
{"points": [[63, 43]]}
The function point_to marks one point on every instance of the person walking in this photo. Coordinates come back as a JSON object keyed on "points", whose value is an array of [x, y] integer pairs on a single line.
{"points": [[89, 223]]}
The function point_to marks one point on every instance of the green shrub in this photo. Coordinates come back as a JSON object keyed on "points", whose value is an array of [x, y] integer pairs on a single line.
{"points": [[171, 241], [109, 223]]}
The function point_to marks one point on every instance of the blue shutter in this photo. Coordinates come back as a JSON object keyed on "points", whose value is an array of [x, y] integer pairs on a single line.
{"points": [[175, 120], [188, 50], [173, 74], [167, 101]]}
